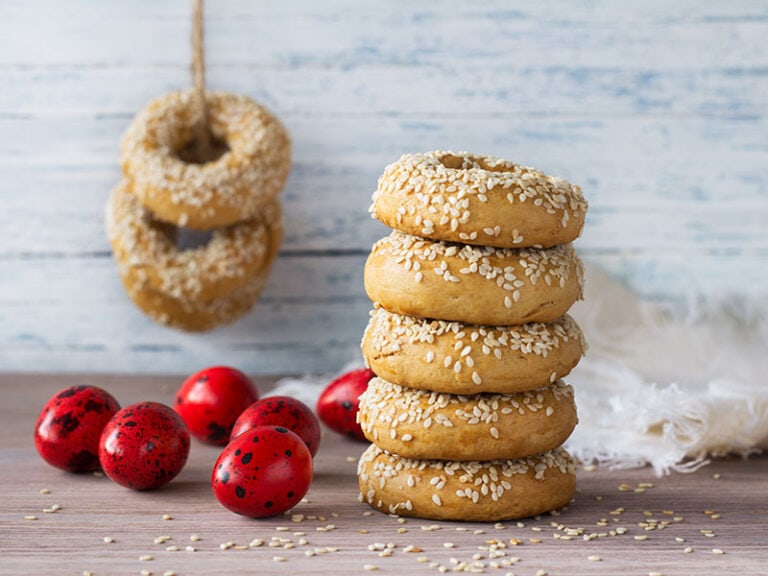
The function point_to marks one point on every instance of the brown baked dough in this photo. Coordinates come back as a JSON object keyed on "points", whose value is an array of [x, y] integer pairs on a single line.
{"points": [[217, 193], [472, 491], [421, 424], [462, 197], [196, 289], [195, 316], [466, 358], [472, 284]]}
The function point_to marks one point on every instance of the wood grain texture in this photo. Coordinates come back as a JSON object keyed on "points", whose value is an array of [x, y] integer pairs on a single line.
{"points": [[657, 109], [71, 541]]}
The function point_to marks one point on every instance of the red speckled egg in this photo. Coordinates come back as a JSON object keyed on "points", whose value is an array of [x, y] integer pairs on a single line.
{"points": [[211, 400], [263, 472], [68, 428], [144, 446], [338, 404], [281, 411]]}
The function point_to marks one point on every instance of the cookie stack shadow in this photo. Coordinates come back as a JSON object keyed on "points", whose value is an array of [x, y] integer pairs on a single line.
{"points": [[470, 339]]}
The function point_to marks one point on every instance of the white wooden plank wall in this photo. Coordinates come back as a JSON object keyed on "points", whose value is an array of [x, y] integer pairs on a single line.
{"points": [[658, 109]]}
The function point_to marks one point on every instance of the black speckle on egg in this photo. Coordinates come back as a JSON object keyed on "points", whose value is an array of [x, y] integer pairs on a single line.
{"points": [[240, 491], [94, 406], [217, 432], [224, 476], [67, 423], [288, 453], [268, 504], [238, 452], [70, 392], [247, 457], [347, 405], [281, 430], [130, 423], [290, 494], [150, 446]]}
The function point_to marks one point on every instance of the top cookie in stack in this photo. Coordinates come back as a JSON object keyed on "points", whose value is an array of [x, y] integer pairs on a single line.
{"points": [[469, 338]]}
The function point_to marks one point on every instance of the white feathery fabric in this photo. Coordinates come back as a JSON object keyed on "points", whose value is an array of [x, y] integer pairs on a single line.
{"points": [[655, 388], [665, 390]]}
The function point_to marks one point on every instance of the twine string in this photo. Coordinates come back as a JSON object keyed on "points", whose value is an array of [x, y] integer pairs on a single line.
{"points": [[202, 133]]}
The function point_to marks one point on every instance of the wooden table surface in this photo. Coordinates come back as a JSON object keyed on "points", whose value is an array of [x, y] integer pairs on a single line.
{"points": [[713, 521]]}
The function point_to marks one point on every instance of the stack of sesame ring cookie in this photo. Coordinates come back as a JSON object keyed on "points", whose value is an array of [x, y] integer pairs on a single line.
{"points": [[231, 197], [470, 339]]}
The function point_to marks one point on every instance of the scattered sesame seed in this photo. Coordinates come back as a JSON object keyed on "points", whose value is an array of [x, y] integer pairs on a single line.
{"points": [[687, 550], [195, 537], [30, 517], [108, 540], [279, 558], [169, 573], [717, 551], [594, 558], [44, 491], [146, 558], [370, 567], [167, 517]]}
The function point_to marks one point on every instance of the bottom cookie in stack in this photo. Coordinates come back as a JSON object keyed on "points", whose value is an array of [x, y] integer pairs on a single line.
{"points": [[466, 490]]}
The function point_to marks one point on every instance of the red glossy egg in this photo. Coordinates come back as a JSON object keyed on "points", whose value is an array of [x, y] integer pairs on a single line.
{"points": [[281, 411], [263, 472], [211, 400], [338, 404], [69, 426], [144, 446]]}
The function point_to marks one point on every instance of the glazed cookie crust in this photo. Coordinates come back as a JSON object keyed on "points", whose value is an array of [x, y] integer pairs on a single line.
{"points": [[232, 188], [462, 197], [420, 424], [462, 358], [471, 491], [472, 284]]}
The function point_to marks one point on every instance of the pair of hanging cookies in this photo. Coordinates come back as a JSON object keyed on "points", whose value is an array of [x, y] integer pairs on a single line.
{"points": [[227, 195], [470, 339]]}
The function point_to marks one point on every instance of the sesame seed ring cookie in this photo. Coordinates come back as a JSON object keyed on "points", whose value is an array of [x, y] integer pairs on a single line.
{"points": [[461, 197], [170, 285], [197, 316], [417, 423], [231, 188], [471, 491], [472, 284], [147, 255], [466, 358]]}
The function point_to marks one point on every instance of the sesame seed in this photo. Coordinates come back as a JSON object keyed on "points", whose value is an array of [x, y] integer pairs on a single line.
{"points": [[146, 558], [167, 517], [717, 551], [370, 567], [594, 558], [687, 550], [108, 540]]}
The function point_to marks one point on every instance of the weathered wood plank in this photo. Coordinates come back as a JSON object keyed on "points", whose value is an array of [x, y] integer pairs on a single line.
{"points": [[420, 90], [653, 183], [349, 34]]}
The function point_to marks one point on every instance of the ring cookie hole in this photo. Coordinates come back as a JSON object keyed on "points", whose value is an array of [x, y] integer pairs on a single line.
{"points": [[196, 152], [183, 238], [453, 162]]}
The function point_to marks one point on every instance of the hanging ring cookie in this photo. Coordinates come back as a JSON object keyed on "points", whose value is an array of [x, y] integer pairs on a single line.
{"points": [[220, 192], [154, 270]]}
